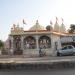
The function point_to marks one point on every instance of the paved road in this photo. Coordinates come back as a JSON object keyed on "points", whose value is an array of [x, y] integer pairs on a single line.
{"points": [[38, 72]]}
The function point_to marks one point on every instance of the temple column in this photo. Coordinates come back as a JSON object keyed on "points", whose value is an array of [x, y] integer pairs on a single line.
{"points": [[37, 45], [12, 44], [22, 46], [52, 45]]}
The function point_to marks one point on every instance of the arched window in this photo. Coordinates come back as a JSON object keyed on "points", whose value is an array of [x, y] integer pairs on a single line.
{"points": [[44, 42], [29, 42]]}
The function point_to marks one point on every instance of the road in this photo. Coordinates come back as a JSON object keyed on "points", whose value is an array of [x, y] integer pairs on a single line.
{"points": [[38, 72]]}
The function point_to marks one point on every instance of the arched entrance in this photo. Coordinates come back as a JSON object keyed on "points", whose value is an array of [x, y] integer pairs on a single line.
{"points": [[17, 45], [29, 42], [44, 42]]}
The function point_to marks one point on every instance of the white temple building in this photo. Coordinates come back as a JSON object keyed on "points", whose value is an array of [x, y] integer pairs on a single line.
{"points": [[30, 41]]}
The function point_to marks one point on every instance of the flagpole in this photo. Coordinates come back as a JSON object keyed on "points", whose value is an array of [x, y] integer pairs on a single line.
{"points": [[24, 23], [23, 26], [62, 20]]}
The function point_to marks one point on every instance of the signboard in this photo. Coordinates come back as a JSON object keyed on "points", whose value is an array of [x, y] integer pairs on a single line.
{"points": [[67, 39]]}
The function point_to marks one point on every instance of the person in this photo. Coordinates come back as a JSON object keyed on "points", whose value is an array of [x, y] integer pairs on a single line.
{"points": [[44, 47], [56, 45], [40, 52], [11, 51], [27, 45]]}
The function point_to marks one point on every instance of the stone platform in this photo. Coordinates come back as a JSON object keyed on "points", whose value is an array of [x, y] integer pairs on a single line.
{"points": [[37, 63]]}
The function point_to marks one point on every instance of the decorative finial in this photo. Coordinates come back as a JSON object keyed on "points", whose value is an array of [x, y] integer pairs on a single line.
{"points": [[56, 19], [11, 28], [14, 26], [24, 22], [37, 22], [62, 20], [18, 25], [51, 22], [17, 28]]}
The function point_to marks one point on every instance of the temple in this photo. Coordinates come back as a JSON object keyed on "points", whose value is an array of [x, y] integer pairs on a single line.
{"points": [[30, 41]]}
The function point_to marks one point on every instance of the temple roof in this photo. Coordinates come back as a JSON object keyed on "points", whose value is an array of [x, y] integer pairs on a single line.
{"points": [[37, 26]]}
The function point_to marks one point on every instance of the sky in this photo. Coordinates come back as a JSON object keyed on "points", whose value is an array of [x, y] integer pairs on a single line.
{"points": [[14, 11]]}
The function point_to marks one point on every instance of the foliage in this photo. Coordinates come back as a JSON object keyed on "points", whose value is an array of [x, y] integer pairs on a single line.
{"points": [[72, 28], [49, 28], [1, 44]]}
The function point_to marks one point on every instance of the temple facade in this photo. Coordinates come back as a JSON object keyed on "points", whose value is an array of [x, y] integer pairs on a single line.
{"points": [[30, 41]]}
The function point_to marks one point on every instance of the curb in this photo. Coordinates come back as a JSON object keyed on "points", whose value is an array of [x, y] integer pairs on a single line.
{"points": [[38, 65]]}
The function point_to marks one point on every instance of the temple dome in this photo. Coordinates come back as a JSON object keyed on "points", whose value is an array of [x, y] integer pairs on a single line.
{"points": [[62, 28], [37, 26], [56, 27]]}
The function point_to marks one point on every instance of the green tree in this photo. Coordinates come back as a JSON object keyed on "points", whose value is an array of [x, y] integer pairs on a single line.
{"points": [[1, 44], [72, 28], [49, 28]]}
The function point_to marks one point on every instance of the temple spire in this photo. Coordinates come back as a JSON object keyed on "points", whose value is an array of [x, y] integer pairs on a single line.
{"points": [[62, 20], [62, 27], [14, 26], [56, 26], [37, 22]]}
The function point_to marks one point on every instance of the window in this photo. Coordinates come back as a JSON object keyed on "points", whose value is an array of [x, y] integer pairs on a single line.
{"points": [[64, 48], [69, 47]]}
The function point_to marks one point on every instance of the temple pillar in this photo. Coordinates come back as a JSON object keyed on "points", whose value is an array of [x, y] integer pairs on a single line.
{"points": [[11, 44], [52, 45], [22, 46], [37, 45]]}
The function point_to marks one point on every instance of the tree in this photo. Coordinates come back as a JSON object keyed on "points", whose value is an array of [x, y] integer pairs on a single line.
{"points": [[72, 28], [1, 44], [49, 28]]}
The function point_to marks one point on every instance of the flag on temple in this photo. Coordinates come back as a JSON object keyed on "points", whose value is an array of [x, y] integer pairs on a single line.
{"points": [[24, 21], [56, 19], [62, 19], [51, 22]]}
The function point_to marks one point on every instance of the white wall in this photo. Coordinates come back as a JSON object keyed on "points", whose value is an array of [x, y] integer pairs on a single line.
{"points": [[55, 38]]}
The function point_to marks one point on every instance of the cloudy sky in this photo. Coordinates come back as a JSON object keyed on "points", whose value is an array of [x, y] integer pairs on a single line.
{"points": [[14, 11]]}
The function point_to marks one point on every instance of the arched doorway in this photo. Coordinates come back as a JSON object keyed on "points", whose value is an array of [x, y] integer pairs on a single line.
{"points": [[17, 45], [44, 42], [29, 42]]}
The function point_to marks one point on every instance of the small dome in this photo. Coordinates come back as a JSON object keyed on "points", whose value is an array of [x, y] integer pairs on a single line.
{"points": [[37, 27]]}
